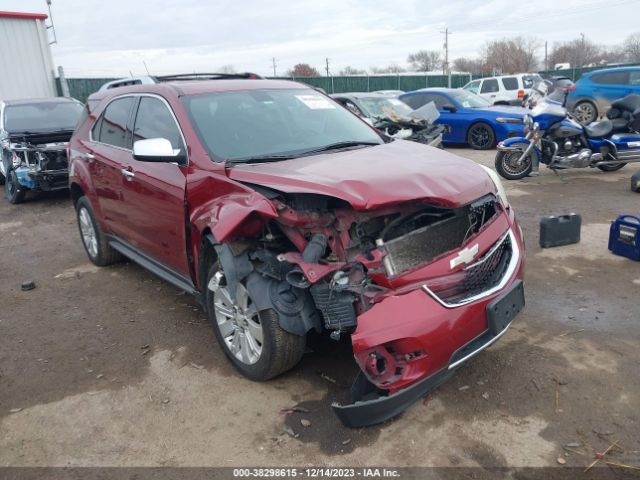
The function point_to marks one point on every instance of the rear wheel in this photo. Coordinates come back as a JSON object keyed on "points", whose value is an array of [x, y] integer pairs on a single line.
{"points": [[611, 168], [94, 241], [14, 192], [509, 166], [253, 340], [585, 112], [481, 137]]}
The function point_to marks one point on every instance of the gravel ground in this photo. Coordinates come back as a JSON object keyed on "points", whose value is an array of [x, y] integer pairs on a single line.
{"points": [[114, 367]]}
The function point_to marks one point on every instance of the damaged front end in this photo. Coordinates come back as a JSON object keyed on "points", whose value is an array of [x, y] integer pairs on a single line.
{"points": [[418, 127], [409, 282], [39, 161]]}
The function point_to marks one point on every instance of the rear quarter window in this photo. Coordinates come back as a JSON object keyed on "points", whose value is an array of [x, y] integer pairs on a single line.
{"points": [[510, 83]]}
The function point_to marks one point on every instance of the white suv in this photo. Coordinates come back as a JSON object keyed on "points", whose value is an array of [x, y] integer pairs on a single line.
{"points": [[507, 89]]}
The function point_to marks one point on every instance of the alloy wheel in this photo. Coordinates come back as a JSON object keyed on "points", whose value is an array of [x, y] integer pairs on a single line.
{"points": [[585, 113], [88, 231], [238, 321], [479, 137], [513, 165]]}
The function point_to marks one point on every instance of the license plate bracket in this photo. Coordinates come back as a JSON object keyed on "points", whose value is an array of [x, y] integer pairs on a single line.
{"points": [[503, 310]]}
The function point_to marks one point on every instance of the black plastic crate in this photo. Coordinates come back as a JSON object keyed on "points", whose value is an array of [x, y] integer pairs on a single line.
{"points": [[558, 230]]}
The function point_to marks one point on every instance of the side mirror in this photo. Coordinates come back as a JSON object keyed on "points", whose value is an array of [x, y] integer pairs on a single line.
{"points": [[450, 108], [156, 150]]}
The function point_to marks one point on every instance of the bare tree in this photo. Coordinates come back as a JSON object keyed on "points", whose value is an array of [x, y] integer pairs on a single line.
{"points": [[346, 71], [425, 60], [471, 65], [392, 68], [578, 52], [303, 70], [631, 47], [511, 55], [227, 69]]}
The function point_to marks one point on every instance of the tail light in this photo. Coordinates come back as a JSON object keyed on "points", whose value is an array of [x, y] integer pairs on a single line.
{"points": [[520, 94]]}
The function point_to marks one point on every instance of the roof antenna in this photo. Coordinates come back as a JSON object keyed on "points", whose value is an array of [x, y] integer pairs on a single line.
{"points": [[52, 26], [145, 67]]}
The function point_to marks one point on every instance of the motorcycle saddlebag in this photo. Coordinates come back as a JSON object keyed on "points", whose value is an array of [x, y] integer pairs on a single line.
{"points": [[560, 230], [624, 236]]}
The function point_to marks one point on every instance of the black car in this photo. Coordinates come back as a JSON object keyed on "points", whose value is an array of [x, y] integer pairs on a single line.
{"points": [[34, 135]]}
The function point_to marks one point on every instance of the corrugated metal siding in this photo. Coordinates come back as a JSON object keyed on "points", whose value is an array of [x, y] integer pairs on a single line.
{"points": [[26, 68]]}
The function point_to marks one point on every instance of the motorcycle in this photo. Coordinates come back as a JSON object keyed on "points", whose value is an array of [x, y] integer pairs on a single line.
{"points": [[555, 138]]}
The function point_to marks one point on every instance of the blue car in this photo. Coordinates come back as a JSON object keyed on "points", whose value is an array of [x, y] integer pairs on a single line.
{"points": [[471, 119], [596, 90]]}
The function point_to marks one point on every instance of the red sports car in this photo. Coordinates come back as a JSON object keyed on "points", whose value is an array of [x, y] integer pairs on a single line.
{"points": [[283, 213]]}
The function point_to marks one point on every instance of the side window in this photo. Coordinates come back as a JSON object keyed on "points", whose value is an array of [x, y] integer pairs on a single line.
{"points": [[490, 86], [416, 100], [439, 100], [510, 83], [111, 127], [634, 78], [154, 120], [611, 78], [473, 86]]}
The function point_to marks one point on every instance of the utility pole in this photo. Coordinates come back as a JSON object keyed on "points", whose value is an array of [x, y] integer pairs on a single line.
{"points": [[445, 66], [546, 65], [582, 55], [273, 62], [327, 67]]}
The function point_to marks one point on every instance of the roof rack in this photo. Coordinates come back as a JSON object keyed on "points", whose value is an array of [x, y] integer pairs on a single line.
{"points": [[148, 79], [208, 76]]}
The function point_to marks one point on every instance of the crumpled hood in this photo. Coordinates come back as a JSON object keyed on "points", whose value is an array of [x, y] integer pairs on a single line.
{"points": [[371, 177]]}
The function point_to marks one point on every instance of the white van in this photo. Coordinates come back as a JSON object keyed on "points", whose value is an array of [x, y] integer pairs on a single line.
{"points": [[508, 89]]}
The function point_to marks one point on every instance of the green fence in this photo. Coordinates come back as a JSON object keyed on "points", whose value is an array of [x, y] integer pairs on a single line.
{"points": [[575, 73], [364, 83], [81, 88]]}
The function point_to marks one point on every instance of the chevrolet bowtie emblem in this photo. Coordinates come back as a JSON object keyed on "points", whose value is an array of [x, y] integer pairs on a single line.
{"points": [[465, 256]]}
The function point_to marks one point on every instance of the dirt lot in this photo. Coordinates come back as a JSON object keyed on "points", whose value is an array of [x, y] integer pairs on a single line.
{"points": [[112, 366]]}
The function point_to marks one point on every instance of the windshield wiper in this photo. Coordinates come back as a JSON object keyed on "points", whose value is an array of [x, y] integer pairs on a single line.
{"points": [[338, 146], [260, 159]]}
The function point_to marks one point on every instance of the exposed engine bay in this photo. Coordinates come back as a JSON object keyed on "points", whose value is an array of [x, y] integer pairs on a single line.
{"points": [[39, 161], [326, 263]]}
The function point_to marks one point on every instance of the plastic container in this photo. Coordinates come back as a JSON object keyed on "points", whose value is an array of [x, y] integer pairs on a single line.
{"points": [[559, 230], [624, 236]]}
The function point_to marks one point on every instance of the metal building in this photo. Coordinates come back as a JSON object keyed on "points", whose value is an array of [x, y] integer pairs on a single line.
{"points": [[26, 64]]}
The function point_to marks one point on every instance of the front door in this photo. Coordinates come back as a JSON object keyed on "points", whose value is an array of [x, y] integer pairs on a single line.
{"points": [[154, 192]]}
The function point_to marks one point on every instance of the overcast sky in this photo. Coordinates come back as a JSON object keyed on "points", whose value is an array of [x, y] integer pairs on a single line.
{"points": [[114, 37]]}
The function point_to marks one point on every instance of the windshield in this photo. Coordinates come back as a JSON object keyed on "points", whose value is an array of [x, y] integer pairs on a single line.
{"points": [[382, 107], [259, 123], [41, 117], [468, 99]]}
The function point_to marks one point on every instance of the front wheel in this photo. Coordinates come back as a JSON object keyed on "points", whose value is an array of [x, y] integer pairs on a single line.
{"points": [[481, 137], [509, 166], [14, 192], [611, 168], [253, 340]]}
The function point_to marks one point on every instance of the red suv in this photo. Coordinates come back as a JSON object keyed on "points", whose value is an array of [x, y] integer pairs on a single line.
{"points": [[284, 213]]}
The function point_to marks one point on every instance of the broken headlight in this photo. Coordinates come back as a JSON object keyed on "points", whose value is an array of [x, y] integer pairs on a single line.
{"points": [[500, 191]]}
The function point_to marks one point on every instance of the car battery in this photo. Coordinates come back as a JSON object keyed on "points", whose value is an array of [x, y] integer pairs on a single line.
{"points": [[558, 230], [624, 236], [635, 182]]}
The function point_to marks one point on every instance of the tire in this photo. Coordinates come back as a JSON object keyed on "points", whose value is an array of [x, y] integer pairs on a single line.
{"points": [[263, 349], [611, 168], [94, 241], [480, 136], [507, 167], [585, 112], [14, 192]]}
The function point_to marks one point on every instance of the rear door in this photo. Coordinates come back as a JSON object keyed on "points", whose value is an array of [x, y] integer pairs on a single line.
{"points": [[609, 86], [490, 89], [154, 192], [109, 153]]}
